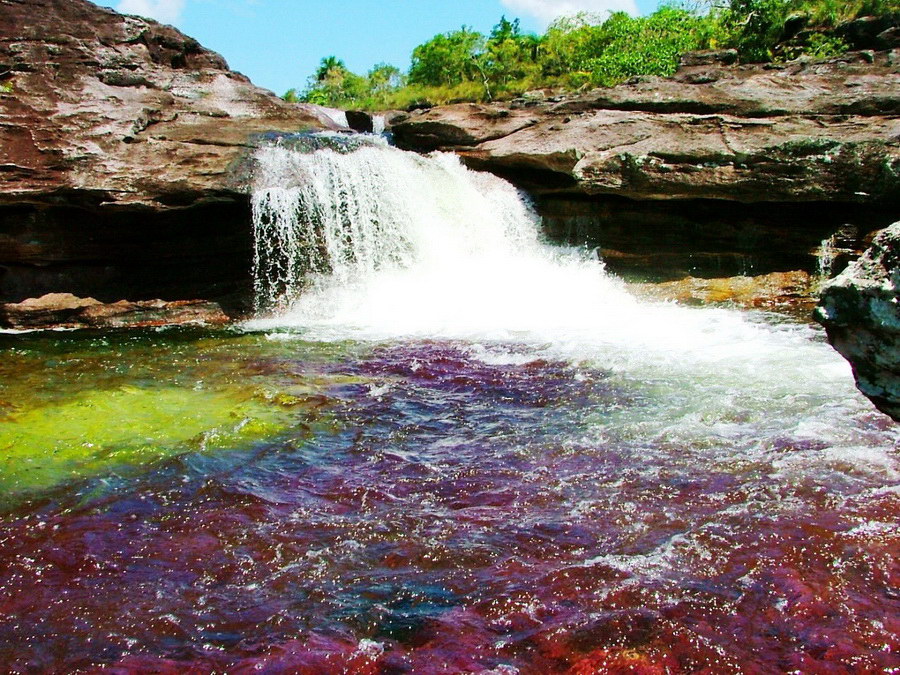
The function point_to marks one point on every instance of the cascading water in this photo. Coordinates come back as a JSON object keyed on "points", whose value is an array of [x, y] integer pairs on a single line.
{"points": [[377, 243]]}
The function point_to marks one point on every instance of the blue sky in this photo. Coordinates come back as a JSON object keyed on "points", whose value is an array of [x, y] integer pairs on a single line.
{"points": [[279, 43]]}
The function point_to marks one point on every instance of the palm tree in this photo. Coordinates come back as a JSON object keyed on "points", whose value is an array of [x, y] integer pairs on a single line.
{"points": [[328, 64]]}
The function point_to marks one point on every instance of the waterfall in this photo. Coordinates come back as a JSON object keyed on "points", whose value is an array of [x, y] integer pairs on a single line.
{"points": [[361, 241], [825, 256], [349, 211]]}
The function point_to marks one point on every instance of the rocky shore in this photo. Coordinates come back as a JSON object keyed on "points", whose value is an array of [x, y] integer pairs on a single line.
{"points": [[805, 131], [860, 310]]}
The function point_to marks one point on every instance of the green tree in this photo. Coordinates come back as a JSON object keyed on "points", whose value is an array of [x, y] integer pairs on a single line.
{"points": [[327, 66], [334, 85], [448, 59], [509, 54], [756, 26], [385, 78]]}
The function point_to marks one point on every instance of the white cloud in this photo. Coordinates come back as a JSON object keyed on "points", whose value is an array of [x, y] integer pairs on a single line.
{"points": [[546, 11], [164, 11]]}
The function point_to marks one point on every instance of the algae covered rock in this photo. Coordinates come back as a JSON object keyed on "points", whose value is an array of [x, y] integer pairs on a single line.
{"points": [[860, 312]]}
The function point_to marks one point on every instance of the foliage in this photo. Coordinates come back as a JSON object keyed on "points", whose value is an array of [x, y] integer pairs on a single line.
{"points": [[627, 46], [756, 26], [447, 59], [822, 46], [586, 49]]}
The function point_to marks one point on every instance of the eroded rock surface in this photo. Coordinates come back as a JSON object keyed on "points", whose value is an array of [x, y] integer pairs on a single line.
{"points": [[860, 310], [121, 148], [64, 310], [805, 131], [101, 108]]}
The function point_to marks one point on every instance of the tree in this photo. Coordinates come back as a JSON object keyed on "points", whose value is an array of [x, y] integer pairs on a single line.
{"points": [[384, 78], [448, 59], [327, 65], [510, 55]]}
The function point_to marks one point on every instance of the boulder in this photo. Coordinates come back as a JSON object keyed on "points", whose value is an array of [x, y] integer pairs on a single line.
{"points": [[871, 32], [120, 110], [360, 121], [860, 310], [64, 310]]}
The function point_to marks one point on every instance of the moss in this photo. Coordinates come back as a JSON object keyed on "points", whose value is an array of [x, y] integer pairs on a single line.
{"points": [[805, 147]]}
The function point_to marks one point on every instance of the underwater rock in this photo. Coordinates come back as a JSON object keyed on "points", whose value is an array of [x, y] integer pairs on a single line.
{"points": [[64, 310], [860, 312]]}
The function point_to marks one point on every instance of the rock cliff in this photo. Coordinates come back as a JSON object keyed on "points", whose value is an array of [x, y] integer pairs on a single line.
{"points": [[118, 110], [118, 140], [860, 310]]}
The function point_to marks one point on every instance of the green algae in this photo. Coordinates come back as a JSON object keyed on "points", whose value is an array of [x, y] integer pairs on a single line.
{"points": [[75, 407], [102, 430]]}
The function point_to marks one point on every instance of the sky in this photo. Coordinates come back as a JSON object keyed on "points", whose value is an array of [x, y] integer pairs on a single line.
{"points": [[279, 43]]}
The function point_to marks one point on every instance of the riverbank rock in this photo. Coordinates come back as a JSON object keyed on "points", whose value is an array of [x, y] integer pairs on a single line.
{"points": [[121, 154], [64, 310], [806, 131], [860, 310], [783, 291]]}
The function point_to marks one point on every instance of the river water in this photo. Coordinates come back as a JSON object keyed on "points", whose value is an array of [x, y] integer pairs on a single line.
{"points": [[444, 445]]}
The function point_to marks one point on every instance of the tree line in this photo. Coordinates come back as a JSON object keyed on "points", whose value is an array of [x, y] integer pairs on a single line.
{"points": [[587, 51]]}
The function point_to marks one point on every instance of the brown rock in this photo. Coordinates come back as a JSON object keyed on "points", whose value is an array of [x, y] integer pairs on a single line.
{"points": [[710, 57], [778, 290], [64, 310], [122, 110], [121, 148]]}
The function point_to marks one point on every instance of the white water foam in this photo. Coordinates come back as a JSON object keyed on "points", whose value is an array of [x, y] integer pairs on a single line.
{"points": [[379, 244]]}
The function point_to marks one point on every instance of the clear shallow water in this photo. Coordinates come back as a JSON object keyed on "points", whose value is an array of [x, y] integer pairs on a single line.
{"points": [[465, 452]]}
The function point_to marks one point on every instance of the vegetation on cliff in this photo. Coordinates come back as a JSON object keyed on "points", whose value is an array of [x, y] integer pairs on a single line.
{"points": [[587, 50]]}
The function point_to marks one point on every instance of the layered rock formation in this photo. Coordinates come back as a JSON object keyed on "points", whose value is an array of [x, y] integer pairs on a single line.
{"points": [[121, 110], [64, 310], [802, 132], [860, 310], [118, 142]]}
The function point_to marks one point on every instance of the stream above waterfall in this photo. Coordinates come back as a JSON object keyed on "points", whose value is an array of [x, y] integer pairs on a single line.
{"points": [[442, 445]]}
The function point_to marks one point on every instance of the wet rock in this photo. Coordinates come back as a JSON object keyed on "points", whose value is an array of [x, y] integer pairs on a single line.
{"points": [[778, 290], [64, 310], [360, 121], [860, 310]]}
